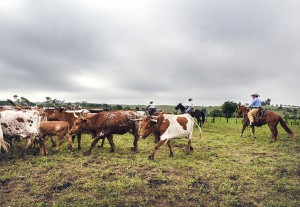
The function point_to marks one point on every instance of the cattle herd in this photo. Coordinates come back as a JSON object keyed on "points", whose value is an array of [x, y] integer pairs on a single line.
{"points": [[36, 125]]}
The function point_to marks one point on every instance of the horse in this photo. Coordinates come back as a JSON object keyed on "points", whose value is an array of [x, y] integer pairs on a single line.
{"points": [[269, 117], [199, 115]]}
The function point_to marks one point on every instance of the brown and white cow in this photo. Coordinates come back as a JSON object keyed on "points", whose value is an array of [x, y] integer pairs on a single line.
{"points": [[105, 124], [60, 114], [22, 123], [166, 127], [54, 128]]}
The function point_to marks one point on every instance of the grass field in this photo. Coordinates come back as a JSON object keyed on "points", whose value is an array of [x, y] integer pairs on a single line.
{"points": [[223, 170]]}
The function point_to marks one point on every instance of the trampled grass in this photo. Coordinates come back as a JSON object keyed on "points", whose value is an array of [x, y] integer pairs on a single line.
{"points": [[223, 170]]}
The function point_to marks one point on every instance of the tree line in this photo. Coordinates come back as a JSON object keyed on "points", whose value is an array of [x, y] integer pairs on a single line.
{"points": [[227, 109]]}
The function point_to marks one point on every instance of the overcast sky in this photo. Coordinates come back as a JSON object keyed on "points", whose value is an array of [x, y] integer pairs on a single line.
{"points": [[135, 51]]}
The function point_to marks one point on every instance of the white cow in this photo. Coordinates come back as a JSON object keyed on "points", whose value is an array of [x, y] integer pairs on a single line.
{"points": [[23, 123]]}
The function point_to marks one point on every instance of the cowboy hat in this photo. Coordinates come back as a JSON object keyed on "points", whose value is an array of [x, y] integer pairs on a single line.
{"points": [[254, 94]]}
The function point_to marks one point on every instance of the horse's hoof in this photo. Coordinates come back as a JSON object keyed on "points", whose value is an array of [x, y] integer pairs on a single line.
{"points": [[134, 149], [150, 157]]}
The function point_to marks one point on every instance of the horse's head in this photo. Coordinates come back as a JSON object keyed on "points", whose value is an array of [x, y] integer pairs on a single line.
{"points": [[179, 106], [242, 110]]}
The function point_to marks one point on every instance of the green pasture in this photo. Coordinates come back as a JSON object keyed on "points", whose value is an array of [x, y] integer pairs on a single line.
{"points": [[223, 170]]}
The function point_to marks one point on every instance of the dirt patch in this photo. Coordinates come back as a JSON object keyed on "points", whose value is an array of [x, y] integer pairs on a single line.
{"points": [[62, 187], [153, 183]]}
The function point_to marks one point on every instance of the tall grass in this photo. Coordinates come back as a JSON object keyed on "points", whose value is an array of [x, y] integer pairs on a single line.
{"points": [[223, 170]]}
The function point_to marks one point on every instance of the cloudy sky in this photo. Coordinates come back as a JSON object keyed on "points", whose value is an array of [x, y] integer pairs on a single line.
{"points": [[135, 51]]}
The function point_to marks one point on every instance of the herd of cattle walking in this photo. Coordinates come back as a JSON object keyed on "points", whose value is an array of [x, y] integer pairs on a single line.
{"points": [[35, 125]]}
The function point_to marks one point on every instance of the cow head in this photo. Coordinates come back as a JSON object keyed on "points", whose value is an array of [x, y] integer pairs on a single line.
{"points": [[79, 125], [55, 114], [155, 125]]}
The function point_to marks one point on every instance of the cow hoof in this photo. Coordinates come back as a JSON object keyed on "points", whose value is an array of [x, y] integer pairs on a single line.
{"points": [[150, 157], [171, 155], [100, 146], [86, 153], [112, 150]]}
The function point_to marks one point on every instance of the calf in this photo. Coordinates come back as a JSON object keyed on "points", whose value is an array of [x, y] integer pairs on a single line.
{"points": [[105, 124], [50, 128], [68, 116], [166, 127]]}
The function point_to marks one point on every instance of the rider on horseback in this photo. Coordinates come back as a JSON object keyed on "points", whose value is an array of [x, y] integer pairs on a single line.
{"points": [[190, 107], [254, 106], [151, 108]]}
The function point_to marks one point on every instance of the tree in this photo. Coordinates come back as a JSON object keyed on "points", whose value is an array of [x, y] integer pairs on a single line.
{"points": [[216, 113], [266, 102], [229, 107]]}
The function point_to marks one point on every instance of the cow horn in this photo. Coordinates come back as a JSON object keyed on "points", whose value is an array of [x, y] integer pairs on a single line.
{"points": [[139, 119], [154, 120], [75, 115]]}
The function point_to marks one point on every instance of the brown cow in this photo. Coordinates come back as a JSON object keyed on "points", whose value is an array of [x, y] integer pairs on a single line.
{"points": [[50, 128], [107, 123]]}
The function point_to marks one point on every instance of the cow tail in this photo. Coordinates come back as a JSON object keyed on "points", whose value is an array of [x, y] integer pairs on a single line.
{"points": [[4, 145], [200, 131], [286, 128]]}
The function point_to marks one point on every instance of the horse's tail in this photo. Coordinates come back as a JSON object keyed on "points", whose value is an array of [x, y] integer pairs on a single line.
{"points": [[286, 128], [200, 131]]}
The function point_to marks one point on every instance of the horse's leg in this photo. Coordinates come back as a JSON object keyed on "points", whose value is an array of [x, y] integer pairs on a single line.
{"points": [[253, 131], [199, 121], [274, 132], [243, 129]]}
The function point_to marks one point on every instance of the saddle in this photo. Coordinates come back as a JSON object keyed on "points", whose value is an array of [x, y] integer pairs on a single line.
{"points": [[260, 114]]}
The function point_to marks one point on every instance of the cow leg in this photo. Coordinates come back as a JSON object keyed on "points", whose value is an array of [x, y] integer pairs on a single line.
{"points": [[135, 142], [79, 141], [29, 143], [52, 141], [170, 147], [97, 138], [60, 142], [151, 156], [102, 143], [189, 146], [111, 142], [42, 146], [70, 140]]}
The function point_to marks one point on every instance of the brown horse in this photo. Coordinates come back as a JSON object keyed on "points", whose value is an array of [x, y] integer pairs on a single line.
{"points": [[271, 118]]}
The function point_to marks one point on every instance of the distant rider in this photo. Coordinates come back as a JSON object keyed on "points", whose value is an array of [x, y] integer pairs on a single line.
{"points": [[190, 106], [151, 108], [254, 107]]}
